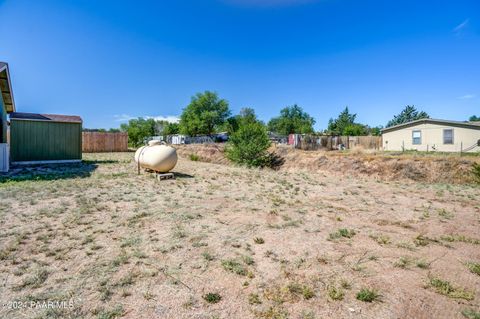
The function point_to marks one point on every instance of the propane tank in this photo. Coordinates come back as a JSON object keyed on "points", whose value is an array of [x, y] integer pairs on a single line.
{"points": [[156, 156]]}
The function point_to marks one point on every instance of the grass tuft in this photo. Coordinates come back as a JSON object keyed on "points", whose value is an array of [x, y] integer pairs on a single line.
{"points": [[212, 297], [368, 295], [335, 293], [254, 299], [342, 232], [194, 157], [471, 314], [259, 240], [116, 312], [445, 288], [474, 268], [235, 267]]}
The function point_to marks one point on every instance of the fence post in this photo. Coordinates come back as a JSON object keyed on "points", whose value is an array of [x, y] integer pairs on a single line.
{"points": [[461, 148]]}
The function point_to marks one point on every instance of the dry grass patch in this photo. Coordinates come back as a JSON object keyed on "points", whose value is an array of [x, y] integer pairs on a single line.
{"points": [[258, 238]]}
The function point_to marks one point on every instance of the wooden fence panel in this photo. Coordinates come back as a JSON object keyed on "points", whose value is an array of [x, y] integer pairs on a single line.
{"points": [[93, 142]]}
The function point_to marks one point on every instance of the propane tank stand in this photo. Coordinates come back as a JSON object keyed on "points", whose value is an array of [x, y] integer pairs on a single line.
{"points": [[162, 176]]}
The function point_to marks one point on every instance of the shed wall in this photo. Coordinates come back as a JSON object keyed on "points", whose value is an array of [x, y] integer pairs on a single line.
{"points": [[45, 141], [432, 138], [3, 121]]}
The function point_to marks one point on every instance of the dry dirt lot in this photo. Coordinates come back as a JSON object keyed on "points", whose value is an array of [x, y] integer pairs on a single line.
{"points": [[227, 242]]}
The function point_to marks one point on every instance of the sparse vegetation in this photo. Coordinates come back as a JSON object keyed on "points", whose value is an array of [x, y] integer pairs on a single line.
{"points": [[235, 267], [403, 262], [260, 236], [444, 287], [342, 232], [476, 172], [471, 314], [194, 157], [254, 299], [259, 240], [335, 293], [474, 268], [460, 238], [381, 239], [116, 312], [368, 295], [422, 264], [212, 297]]}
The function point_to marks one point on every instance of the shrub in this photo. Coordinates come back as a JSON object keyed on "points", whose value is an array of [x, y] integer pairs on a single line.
{"points": [[194, 157], [248, 145]]}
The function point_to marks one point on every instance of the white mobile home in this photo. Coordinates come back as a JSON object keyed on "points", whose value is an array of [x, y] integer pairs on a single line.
{"points": [[433, 135]]}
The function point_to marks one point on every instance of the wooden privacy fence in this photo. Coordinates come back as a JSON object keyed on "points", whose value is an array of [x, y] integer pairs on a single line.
{"points": [[317, 142], [93, 142]]}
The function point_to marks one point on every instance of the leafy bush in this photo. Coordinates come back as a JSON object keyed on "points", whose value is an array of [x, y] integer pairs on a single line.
{"points": [[248, 145], [194, 157]]}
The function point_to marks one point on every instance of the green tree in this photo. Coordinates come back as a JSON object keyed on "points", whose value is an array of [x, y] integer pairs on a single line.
{"points": [[138, 130], [205, 114], [246, 115], [409, 113], [345, 124], [355, 129], [163, 128], [375, 131], [292, 120], [171, 129], [248, 145], [474, 118]]}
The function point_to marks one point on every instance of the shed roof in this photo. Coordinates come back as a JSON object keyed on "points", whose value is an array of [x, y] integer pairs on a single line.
{"points": [[46, 117], [6, 88], [465, 124]]}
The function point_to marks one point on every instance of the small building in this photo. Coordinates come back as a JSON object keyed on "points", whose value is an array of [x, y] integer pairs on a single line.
{"points": [[433, 135], [45, 138], [7, 105]]}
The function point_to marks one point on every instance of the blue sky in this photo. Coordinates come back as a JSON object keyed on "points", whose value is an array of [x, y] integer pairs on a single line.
{"points": [[108, 61]]}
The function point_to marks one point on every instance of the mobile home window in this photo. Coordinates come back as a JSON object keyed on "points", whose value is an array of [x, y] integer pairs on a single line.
{"points": [[448, 136], [417, 137]]}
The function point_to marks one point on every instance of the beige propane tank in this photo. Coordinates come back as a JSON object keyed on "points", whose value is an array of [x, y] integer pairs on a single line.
{"points": [[157, 157]]}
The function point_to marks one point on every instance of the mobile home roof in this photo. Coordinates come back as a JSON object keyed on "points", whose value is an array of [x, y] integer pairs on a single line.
{"points": [[472, 125]]}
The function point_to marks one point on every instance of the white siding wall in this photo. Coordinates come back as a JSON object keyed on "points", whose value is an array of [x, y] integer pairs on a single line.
{"points": [[432, 137]]}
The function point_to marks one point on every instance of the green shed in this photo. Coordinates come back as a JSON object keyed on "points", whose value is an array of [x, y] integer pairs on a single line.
{"points": [[45, 138]]}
